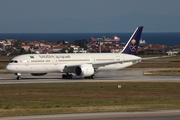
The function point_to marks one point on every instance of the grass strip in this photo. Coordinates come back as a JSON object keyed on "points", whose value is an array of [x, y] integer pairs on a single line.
{"points": [[58, 98]]}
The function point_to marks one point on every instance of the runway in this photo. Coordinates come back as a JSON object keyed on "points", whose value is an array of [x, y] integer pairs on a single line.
{"points": [[125, 75], [156, 115]]}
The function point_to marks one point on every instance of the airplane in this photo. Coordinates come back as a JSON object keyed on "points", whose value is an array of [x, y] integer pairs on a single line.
{"points": [[81, 64]]}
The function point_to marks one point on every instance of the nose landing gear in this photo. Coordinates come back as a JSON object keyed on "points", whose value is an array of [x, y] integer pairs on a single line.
{"points": [[18, 76]]}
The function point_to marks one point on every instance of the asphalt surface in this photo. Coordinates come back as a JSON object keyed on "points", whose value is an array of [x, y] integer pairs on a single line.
{"points": [[155, 115], [125, 75]]}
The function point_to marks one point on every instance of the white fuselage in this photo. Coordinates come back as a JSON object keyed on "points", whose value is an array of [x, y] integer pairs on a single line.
{"points": [[45, 63]]}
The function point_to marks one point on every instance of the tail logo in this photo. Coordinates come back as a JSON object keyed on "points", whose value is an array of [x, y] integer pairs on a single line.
{"points": [[133, 46]]}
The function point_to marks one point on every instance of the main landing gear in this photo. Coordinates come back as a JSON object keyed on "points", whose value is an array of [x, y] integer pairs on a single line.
{"points": [[18, 76], [90, 77], [67, 76], [70, 76]]}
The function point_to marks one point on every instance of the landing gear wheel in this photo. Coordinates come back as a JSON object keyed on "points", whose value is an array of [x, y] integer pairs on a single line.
{"points": [[64, 76], [70, 76], [18, 78], [90, 77], [67, 76]]}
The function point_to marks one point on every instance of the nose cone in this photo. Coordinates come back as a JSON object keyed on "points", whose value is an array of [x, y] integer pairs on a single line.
{"points": [[9, 68]]}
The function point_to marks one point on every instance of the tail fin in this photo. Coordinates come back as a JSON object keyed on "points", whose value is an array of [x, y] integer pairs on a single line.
{"points": [[132, 45]]}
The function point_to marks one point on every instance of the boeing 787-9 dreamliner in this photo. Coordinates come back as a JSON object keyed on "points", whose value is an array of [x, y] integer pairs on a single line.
{"points": [[81, 64]]}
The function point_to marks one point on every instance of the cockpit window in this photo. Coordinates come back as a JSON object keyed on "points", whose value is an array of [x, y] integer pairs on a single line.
{"points": [[13, 61]]}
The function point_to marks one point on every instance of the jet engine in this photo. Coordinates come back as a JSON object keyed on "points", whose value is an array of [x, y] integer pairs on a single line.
{"points": [[84, 70], [38, 74]]}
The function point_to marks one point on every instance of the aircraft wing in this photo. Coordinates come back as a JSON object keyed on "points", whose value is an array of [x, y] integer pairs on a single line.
{"points": [[96, 65], [124, 61], [70, 68], [148, 58]]}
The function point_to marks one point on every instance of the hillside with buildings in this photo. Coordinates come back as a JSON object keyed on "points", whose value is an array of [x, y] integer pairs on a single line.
{"points": [[17, 47]]}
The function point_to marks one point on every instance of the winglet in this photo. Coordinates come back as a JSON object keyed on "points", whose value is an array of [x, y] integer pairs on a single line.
{"points": [[132, 45]]}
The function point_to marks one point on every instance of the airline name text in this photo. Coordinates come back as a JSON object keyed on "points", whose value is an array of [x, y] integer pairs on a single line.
{"points": [[55, 56]]}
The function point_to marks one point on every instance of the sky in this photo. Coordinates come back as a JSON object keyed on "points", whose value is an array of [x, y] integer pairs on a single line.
{"points": [[88, 16]]}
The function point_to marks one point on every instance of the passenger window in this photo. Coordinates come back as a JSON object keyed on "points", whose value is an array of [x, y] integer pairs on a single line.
{"points": [[15, 61]]}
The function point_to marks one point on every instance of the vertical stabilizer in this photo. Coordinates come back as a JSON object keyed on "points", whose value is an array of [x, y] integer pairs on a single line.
{"points": [[132, 45]]}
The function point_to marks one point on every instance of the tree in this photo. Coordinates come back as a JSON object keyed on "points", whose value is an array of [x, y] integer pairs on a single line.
{"points": [[82, 43], [22, 51], [17, 43], [61, 42], [70, 50]]}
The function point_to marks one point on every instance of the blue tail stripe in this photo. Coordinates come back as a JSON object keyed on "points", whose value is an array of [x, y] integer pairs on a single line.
{"points": [[132, 45]]}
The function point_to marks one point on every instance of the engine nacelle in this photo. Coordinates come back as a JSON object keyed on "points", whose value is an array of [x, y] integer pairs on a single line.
{"points": [[38, 74], [84, 70]]}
